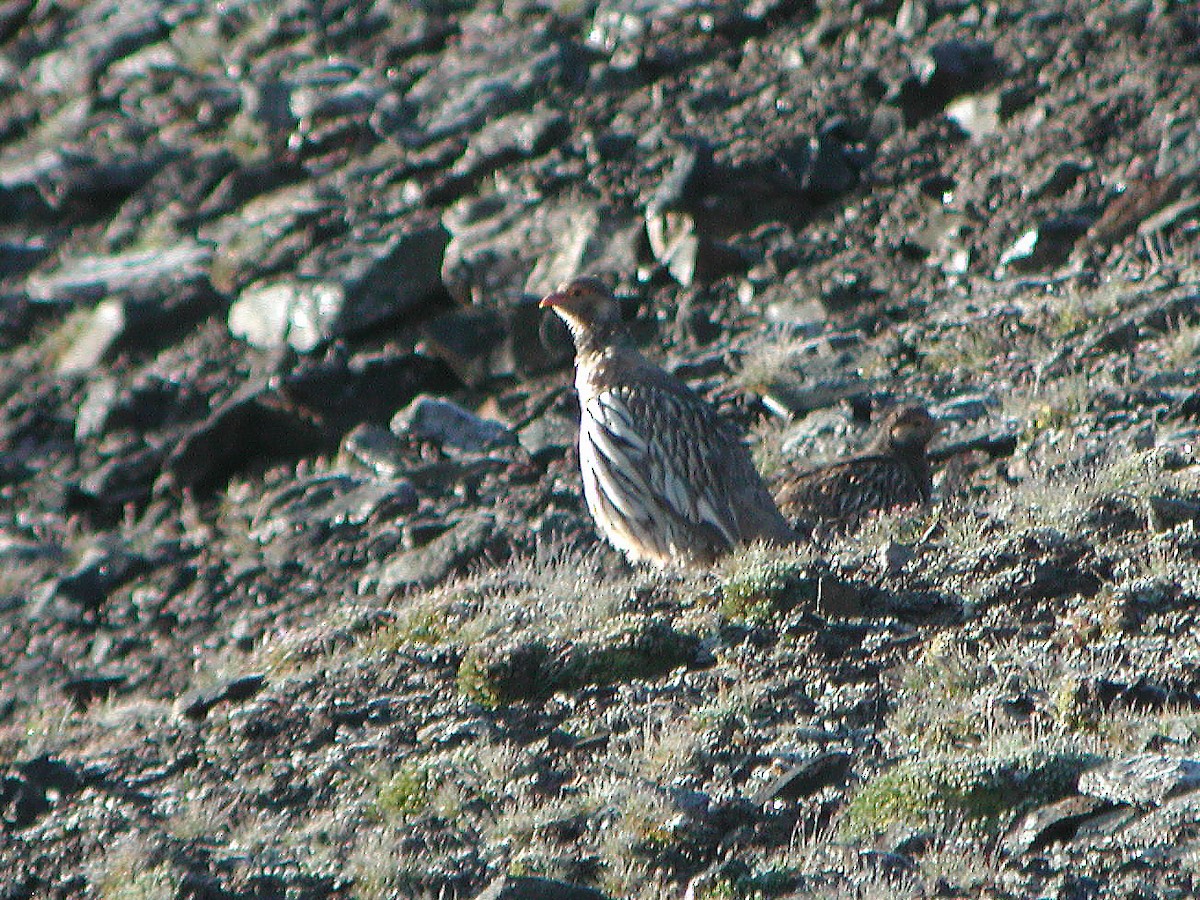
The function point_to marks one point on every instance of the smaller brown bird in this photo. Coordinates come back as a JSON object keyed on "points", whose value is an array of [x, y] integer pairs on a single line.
{"points": [[893, 473], [666, 480]]}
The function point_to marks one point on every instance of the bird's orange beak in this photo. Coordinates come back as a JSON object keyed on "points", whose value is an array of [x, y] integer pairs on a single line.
{"points": [[551, 300]]}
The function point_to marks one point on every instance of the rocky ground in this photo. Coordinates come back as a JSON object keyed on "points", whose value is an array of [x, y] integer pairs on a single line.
{"points": [[298, 597]]}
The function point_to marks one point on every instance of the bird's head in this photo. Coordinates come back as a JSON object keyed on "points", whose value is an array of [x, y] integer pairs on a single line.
{"points": [[589, 309], [910, 428]]}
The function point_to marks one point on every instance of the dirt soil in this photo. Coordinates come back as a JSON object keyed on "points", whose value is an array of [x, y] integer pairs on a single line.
{"points": [[262, 637]]}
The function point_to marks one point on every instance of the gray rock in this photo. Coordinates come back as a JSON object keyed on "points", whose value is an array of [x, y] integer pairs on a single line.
{"points": [[88, 278], [450, 426], [93, 338], [125, 478], [1054, 821], [805, 778], [286, 312], [670, 224], [199, 703], [517, 135], [524, 887], [894, 556], [1044, 247], [549, 434], [483, 343], [330, 500], [503, 246], [376, 448], [1142, 780], [496, 67], [426, 566], [383, 279], [965, 408], [261, 233]]}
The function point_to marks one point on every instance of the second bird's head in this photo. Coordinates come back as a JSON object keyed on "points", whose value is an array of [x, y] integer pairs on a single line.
{"points": [[589, 309], [910, 428]]}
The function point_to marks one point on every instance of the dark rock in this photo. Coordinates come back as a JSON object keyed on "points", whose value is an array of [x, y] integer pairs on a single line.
{"points": [[1053, 822], [1128, 210], [1145, 780], [450, 426], [84, 689], [491, 71], [847, 290], [383, 280], [337, 393], [503, 670], [319, 503], [949, 69], [98, 574], [198, 704], [375, 448], [124, 479], [29, 791], [250, 426], [485, 343], [424, 566], [525, 887], [833, 164], [1167, 512], [805, 778], [1060, 180], [502, 246], [18, 258], [1044, 247]]}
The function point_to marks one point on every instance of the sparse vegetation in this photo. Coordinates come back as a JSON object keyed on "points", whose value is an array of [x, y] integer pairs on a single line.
{"points": [[924, 791]]}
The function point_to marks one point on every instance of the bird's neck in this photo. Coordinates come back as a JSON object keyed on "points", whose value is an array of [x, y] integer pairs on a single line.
{"points": [[598, 363], [601, 338]]}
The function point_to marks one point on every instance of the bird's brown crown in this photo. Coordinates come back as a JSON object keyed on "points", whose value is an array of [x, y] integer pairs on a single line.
{"points": [[589, 309]]}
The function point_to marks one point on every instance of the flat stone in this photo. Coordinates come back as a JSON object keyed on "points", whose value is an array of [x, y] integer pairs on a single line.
{"points": [[517, 135], [199, 703], [260, 233], [1147, 779], [505, 246], [1052, 822], [804, 778], [524, 887], [496, 66], [88, 278], [549, 434], [426, 566], [93, 338], [385, 279], [450, 426], [376, 448], [301, 314]]}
